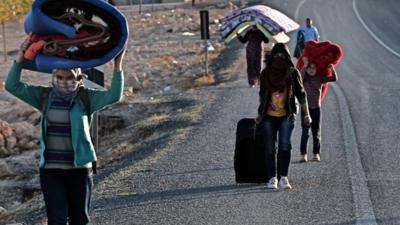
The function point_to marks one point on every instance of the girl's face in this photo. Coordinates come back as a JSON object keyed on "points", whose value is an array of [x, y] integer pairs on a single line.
{"points": [[312, 69], [65, 80]]}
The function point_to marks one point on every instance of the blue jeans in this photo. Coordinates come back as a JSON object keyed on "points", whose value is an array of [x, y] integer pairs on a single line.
{"points": [[67, 195], [277, 129]]}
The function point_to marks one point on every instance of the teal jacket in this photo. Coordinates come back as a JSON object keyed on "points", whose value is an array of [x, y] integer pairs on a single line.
{"points": [[80, 127]]}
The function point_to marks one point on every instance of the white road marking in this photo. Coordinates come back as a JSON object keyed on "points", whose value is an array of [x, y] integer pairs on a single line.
{"points": [[296, 14], [372, 33]]}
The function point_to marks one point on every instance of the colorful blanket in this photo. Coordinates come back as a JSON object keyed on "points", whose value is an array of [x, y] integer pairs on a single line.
{"points": [[243, 27], [272, 21]]}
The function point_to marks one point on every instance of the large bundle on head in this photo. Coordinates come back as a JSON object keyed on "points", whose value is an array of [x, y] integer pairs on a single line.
{"points": [[271, 22], [74, 33], [322, 54]]}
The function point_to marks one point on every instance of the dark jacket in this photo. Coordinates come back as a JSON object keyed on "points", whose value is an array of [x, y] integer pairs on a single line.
{"points": [[300, 43], [296, 89]]}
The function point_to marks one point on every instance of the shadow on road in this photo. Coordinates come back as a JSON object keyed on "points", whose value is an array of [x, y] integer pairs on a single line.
{"points": [[177, 195], [214, 170]]}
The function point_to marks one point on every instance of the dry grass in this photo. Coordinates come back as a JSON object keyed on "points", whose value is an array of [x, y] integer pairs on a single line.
{"points": [[204, 80], [193, 115], [157, 118], [1, 84]]}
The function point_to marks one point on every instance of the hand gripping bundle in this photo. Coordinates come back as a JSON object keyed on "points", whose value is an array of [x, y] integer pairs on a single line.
{"points": [[322, 54]]}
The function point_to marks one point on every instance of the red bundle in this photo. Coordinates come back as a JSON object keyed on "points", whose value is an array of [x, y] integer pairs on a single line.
{"points": [[322, 54], [39, 41]]}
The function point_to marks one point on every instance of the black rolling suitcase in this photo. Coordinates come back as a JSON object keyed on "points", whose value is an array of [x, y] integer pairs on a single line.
{"points": [[249, 160]]}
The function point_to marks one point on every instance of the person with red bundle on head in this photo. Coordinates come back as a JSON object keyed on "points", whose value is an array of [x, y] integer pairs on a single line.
{"points": [[313, 86]]}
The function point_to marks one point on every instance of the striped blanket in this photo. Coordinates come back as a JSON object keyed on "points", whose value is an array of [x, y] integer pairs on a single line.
{"points": [[273, 21]]}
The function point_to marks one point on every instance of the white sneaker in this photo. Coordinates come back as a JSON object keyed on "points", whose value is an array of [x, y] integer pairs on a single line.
{"points": [[316, 157], [304, 158], [284, 183], [272, 183]]}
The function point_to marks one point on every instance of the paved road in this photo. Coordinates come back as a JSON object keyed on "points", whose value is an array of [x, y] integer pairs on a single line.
{"points": [[357, 182]]}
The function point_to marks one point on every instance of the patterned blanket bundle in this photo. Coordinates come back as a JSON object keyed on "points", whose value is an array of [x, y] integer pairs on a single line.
{"points": [[271, 22]]}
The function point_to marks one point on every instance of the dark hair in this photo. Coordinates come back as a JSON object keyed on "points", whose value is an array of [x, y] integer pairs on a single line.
{"points": [[279, 48], [312, 63]]}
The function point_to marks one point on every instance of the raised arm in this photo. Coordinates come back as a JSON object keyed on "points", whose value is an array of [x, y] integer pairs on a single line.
{"points": [[304, 69], [332, 78], [264, 38], [243, 39], [26, 92], [99, 99]]}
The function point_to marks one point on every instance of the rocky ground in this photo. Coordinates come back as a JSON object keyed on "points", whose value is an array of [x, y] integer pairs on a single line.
{"points": [[163, 70]]}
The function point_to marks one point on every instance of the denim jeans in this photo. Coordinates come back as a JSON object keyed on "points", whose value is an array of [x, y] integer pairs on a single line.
{"points": [[315, 115], [67, 195], [277, 129]]}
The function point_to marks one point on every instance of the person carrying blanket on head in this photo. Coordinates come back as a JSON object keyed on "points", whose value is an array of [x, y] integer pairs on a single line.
{"points": [[254, 53], [67, 155]]}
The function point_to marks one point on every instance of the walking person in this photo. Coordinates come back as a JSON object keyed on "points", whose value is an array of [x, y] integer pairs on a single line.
{"points": [[67, 155], [254, 53], [313, 86], [309, 31], [280, 85]]}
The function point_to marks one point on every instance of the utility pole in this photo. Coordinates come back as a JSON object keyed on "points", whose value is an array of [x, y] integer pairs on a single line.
{"points": [[205, 35], [140, 6], [3, 31]]}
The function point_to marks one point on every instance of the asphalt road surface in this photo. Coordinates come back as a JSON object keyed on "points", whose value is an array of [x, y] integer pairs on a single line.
{"points": [[357, 181]]}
